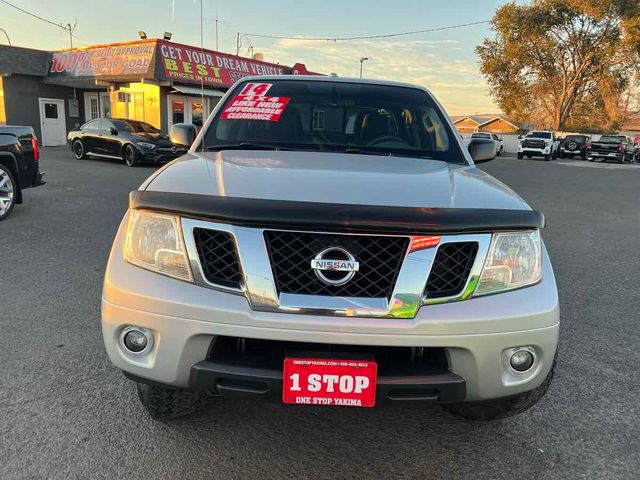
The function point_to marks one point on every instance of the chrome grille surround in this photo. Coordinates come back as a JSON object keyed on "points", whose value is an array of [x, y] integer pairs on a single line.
{"points": [[259, 286]]}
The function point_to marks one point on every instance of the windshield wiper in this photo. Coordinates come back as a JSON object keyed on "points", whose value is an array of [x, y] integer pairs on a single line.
{"points": [[246, 146]]}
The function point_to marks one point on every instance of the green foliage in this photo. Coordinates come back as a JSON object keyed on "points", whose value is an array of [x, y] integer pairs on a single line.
{"points": [[564, 64]]}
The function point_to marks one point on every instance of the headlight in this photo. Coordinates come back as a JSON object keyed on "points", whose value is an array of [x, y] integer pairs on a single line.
{"points": [[154, 241], [514, 261], [148, 146]]}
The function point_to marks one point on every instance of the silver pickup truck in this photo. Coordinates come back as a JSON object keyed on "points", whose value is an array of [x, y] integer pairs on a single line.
{"points": [[329, 242]]}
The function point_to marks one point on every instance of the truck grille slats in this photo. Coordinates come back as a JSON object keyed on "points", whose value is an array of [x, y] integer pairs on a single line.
{"points": [[380, 259], [218, 257], [451, 269]]}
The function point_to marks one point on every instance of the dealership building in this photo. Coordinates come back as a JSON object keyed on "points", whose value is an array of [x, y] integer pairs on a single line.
{"points": [[157, 81]]}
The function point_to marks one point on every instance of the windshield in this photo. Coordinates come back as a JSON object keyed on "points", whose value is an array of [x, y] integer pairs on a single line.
{"points": [[480, 135], [134, 126], [546, 135], [611, 139], [334, 116]]}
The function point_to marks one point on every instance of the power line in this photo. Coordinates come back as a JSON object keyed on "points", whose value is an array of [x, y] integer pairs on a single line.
{"points": [[33, 14], [366, 37], [67, 27]]}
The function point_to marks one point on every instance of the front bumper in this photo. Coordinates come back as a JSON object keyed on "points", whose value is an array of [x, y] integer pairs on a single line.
{"points": [[185, 318], [540, 152]]}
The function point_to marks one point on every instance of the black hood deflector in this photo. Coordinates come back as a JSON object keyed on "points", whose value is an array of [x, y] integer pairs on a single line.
{"points": [[287, 214]]}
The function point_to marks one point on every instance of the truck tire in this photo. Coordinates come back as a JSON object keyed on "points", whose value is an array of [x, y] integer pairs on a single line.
{"points": [[168, 403], [547, 158], [131, 156], [486, 410], [519, 156], [8, 191], [78, 150]]}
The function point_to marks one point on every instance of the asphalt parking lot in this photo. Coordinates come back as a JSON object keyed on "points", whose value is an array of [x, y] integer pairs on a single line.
{"points": [[66, 412]]}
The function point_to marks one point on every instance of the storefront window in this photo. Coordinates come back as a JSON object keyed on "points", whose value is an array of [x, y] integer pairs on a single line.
{"points": [[177, 112]]}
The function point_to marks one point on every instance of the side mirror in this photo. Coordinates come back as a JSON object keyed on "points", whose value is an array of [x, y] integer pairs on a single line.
{"points": [[183, 134], [482, 149], [519, 137], [113, 131]]}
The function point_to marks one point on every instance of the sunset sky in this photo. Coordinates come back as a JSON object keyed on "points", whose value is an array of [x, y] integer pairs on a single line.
{"points": [[443, 61]]}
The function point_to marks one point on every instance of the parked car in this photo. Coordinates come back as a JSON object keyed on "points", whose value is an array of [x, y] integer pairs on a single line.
{"points": [[132, 141], [636, 142], [19, 166], [536, 144], [575, 146], [491, 136], [613, 147], [329, 241]]}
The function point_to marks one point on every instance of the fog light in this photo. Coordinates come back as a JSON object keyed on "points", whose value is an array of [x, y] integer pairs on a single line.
{"points": [[521, 361], [136, 340]]}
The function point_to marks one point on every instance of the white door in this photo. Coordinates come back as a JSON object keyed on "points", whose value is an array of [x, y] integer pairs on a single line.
{"points": [[91, 106], [52, 122], [184, 109]]}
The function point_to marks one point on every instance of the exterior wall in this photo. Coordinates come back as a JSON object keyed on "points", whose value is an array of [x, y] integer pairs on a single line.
{"points": [[498, 126], [466, 125], [21, 93]]}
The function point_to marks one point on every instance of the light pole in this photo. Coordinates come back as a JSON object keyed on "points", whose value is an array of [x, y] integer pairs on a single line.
{"points": [[362, 60]]}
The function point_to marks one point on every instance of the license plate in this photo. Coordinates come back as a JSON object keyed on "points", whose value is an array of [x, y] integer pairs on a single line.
{"points": [[329, 382]]}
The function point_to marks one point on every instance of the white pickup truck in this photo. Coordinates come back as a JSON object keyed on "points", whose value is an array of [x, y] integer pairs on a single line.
{"points": [[536, 144]]}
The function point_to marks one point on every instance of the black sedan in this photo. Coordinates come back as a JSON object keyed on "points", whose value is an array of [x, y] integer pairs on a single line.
{"points": [[130, 140]]}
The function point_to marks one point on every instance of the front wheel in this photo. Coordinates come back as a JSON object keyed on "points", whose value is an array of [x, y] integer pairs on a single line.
{"points": [[168, 403], [78, 150], [131, 156], [519, 156], [547, 158], [7, 192], [486, 410]]}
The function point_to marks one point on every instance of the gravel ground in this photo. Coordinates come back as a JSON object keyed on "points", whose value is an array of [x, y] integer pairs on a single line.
{"points": [[66, 412]]}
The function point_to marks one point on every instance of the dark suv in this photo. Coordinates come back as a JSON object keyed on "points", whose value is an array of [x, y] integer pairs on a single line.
{"points": [[574, 146]]}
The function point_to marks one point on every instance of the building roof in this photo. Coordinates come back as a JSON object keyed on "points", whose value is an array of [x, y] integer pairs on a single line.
{"points": [[486, 118]]}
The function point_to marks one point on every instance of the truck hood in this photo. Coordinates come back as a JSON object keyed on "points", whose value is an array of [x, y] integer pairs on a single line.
{"points": [[335, 178]]}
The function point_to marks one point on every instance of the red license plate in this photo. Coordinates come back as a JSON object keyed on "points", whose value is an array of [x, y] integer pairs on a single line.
{"points": [[318, 381]]}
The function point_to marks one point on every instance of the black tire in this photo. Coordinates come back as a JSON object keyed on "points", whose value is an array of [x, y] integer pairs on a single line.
{"points": [[8, 192], [167, 403], [78, 150], [519, 155], [131, 156], [570, 157], [501, 151], [487, 410], [584, 155], [561, 155], [547, 158], [528, 156]]}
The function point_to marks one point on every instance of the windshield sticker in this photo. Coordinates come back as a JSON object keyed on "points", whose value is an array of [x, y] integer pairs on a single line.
{"points": [[255, 107], [256, 89]]}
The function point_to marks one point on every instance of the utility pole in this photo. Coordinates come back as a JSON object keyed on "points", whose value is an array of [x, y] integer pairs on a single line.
{"points": [[217, 30], [237, 44], [70, 34]]}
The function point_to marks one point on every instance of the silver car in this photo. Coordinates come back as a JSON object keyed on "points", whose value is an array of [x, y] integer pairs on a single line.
{"points": [[329, 242]]}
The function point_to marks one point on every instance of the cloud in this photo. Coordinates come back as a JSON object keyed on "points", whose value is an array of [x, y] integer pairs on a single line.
{"points": [[434, 64]]}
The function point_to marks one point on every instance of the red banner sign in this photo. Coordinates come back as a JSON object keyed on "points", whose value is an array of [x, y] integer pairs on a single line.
{"points": [[126, 59], [193, 65]]}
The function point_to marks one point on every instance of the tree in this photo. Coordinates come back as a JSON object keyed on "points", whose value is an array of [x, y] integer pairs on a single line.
{"points": [[564, 64]]}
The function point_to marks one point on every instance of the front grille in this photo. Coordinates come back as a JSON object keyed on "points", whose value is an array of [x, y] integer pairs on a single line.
{"points": [[533, 143], [266, 353], [380, 260], [451, 269], [218, 257]]}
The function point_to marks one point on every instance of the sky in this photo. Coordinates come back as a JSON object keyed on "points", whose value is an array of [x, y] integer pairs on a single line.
{"points": [[444, 62]]}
